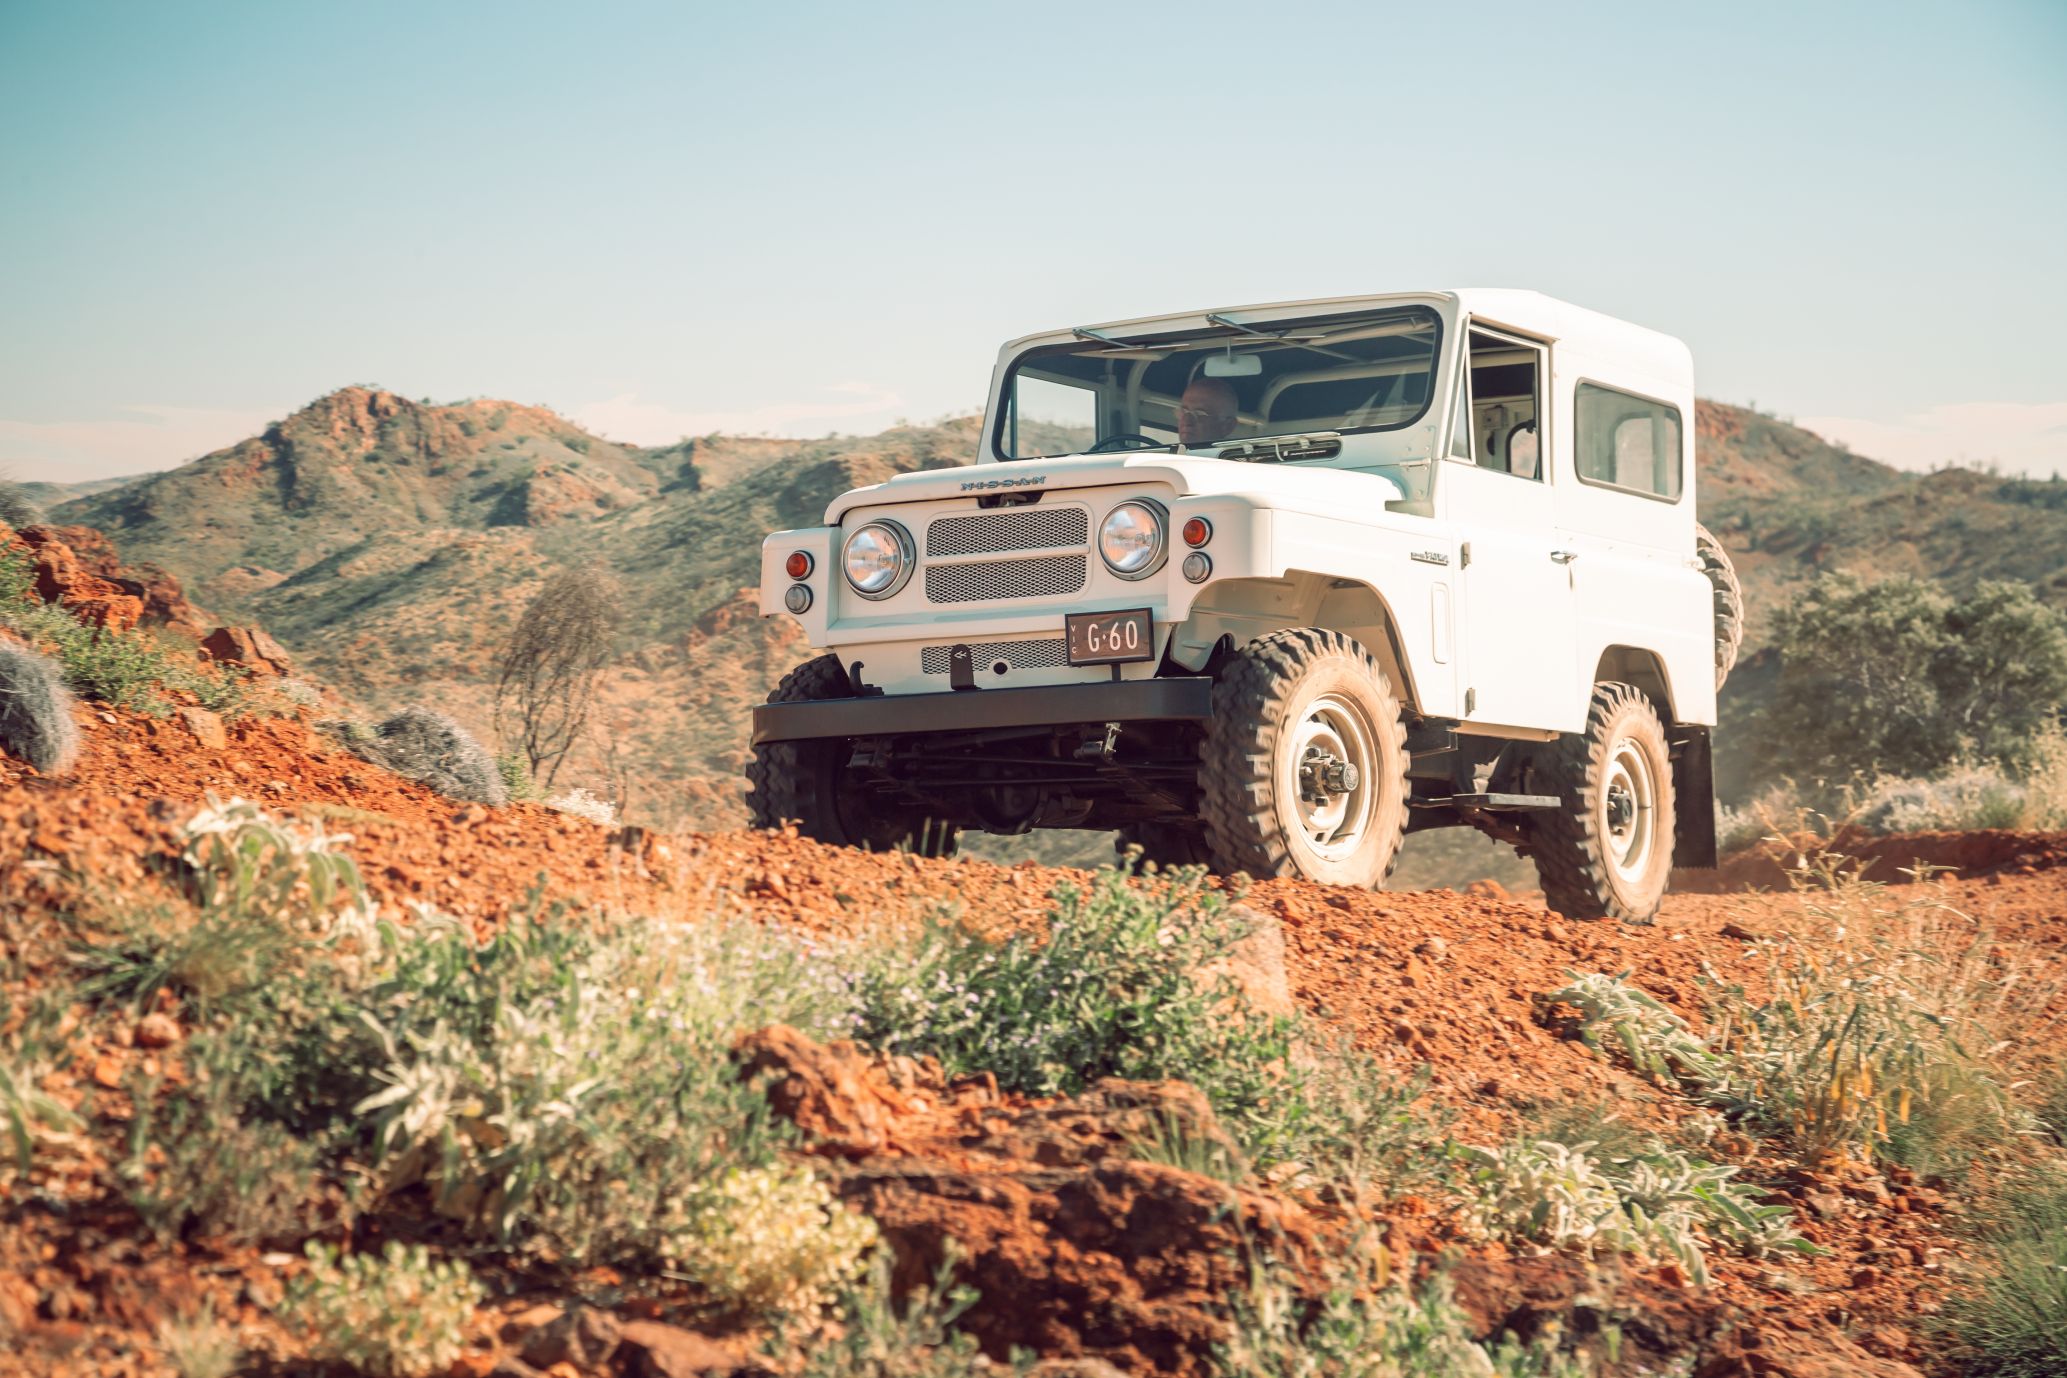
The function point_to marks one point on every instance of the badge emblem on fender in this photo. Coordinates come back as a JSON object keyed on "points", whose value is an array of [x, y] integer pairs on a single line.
{"points": [[1431, 557]]}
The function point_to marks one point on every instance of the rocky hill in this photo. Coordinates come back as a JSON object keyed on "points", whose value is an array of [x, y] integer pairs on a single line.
{"points": [[391, 544]]}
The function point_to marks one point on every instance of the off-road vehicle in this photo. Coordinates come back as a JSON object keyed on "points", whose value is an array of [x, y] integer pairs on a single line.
{"points": [[1268, 588]]}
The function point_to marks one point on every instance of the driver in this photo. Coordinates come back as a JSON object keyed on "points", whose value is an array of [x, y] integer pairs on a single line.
{"points": [[1206, 412]]}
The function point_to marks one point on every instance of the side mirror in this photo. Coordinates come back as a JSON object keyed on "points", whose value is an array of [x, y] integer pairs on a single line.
{"points": [[1233, 365]]}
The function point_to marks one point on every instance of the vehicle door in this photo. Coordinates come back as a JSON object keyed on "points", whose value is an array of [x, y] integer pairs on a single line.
{"points": [[1516, 595], [1624, 514]]}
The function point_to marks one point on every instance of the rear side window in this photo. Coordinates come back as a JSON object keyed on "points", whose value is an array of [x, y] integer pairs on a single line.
{"points": [[1626, 441]]}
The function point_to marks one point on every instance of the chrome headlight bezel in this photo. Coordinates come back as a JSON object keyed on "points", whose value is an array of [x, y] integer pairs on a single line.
{"points": [[900, 544], [1159, 552]]}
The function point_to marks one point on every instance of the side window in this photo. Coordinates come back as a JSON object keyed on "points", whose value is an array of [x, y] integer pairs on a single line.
{"points": [[1625, 441], [1504, 403]]}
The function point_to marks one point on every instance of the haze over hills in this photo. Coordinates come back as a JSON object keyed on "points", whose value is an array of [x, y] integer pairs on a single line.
{"points": [[391, 545]]}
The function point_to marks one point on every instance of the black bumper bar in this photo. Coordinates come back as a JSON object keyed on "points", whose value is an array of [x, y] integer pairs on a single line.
{"points": [[1187, 698]]}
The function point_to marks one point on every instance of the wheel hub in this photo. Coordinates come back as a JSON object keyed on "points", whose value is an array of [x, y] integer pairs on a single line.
{"points": [[1323, 775], [1327, 773], [1621, 809], [1629, 809]]}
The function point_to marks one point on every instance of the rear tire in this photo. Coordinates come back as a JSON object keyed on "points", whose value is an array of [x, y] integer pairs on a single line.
{"points": [[1606, 853], [1290, 711], [1728, 599], [805, 782]]}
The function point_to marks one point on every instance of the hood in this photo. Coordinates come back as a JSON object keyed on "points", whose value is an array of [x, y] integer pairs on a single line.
{"points": [[1290, 485]]}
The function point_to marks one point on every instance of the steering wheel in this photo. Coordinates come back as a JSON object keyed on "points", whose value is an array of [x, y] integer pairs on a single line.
{"points": [[1127, 440]]}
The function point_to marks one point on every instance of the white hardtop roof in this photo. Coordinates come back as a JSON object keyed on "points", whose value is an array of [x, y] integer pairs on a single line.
{"points": [[1531, 313]]}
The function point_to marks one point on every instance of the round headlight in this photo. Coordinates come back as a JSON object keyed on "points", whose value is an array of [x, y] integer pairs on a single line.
{"points": [[1131, 541], [878, 559]]}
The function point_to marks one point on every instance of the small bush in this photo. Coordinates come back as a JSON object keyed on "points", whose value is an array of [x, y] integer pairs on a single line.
{"points": [[2014, 1323], [36, 711], [28, 1114], [1111, 990], [427, 747], [396, 1316], [198, 1164], [200, 1346], [1560, 1196], [575, 1087], [1874, 1018], [127, 669], [881, 1337], [582, 804], [1365, 1327], [1654, 1039], [769, 1241], [516, 777], [1963, 801]]}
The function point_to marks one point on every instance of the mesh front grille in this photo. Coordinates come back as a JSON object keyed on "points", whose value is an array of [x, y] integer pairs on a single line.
{"points": [[1047, 576], [1024, 528], [1020, 655]]}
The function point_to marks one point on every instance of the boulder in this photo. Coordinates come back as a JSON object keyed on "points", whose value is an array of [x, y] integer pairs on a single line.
{"points": [[651, 1349], [825, 1090], [250, 647], [164, 601], [1256, 964]]}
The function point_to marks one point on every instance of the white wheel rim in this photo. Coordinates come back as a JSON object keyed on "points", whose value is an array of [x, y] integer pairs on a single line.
{"points": [[1333, 804], [1629, 808]]}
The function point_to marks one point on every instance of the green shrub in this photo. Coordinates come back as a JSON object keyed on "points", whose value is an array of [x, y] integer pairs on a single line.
{"points": [[199, 1346], [881, 1336], [575, 1087], [36, 711], [768, 1241], [127, 669], [1656, 1041], [1868, 1017], [1111, 990], [1897, 677], [2013, 1324], [1654, 1205], [198, 1164], [516, 777], [29, 1114], [1364, 1327], [396, 1316]]}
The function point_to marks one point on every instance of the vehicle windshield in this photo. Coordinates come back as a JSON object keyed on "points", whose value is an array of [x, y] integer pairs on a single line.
{"points": [[1221, 388]]}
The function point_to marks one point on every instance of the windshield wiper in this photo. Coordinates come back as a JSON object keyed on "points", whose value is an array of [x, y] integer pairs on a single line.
{"points": [[1279, 337]]}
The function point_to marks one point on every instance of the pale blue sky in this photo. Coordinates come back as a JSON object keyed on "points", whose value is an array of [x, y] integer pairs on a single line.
{"points": [[800, 218]]}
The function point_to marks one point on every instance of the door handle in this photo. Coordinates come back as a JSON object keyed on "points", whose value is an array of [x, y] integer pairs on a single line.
{"points": [[1564, 557]]}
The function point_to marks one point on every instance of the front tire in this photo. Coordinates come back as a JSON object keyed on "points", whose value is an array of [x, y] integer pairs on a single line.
{"points": [[1304, 765], [1606, 853], [806, 782]]}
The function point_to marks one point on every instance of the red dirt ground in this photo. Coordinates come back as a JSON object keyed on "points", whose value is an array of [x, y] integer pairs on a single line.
{"points": [[1433, 978]]}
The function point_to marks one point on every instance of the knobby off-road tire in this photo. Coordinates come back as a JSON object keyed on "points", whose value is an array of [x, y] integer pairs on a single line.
{"points": [[1166, 844], [1606, 852], [804, 782], [1728, 599], [1304, 695]]}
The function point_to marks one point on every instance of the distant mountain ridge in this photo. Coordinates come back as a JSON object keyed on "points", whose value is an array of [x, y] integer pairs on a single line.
{"points": [[391, 545]]}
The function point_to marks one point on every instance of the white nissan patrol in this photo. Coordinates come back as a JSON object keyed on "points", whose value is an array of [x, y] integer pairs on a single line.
{"points": [[1268, 588]]}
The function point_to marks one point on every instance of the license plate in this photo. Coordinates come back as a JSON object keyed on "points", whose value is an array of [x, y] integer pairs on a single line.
{"points": [[1107, 638]]}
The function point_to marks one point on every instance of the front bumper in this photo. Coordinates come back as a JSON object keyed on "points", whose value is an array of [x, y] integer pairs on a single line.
{"points": [[1185, 698]]}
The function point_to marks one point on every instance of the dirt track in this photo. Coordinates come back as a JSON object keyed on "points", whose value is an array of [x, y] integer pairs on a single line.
{"points": [[1433, 978]]}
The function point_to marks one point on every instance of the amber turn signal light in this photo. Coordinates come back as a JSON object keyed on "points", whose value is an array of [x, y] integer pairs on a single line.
{"points": [[797, 565], [1198, 531]]}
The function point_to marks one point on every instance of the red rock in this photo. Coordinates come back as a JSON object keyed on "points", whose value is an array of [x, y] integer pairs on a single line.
{"points": [[206, 727], [824, 1090], [164, 602], [250, 647], [61, 579], [156, 1030]]}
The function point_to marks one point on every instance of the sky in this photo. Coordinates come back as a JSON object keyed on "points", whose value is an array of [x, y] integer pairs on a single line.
{"points": [[669, 219]]}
